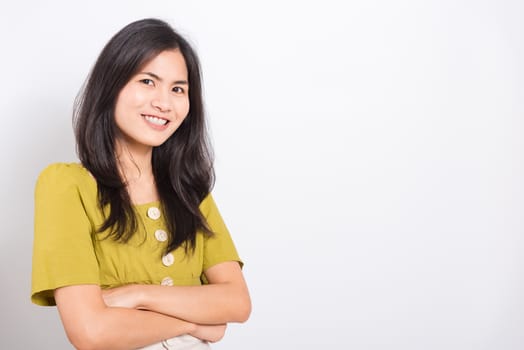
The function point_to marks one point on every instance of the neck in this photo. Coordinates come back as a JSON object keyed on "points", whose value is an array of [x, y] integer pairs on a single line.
{"points": [[134, 163]]}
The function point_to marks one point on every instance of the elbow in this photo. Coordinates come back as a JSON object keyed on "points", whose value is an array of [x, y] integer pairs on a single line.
{"points": [[82, 343], [242, 310], [86, 338], [243, 315]]}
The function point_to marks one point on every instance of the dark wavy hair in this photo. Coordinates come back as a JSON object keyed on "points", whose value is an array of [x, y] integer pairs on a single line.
{"points": [[182, 166]]}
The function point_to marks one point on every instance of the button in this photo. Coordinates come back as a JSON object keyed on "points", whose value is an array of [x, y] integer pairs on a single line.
{"points": [[167, 281], [168, 259], [153, 213], [161, 235]]}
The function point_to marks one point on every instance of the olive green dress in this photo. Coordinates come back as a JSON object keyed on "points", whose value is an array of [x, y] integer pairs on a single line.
{"points": [[68, 250]]}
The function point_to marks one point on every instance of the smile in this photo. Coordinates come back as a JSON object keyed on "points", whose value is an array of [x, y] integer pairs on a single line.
{"points": [[155, 120]]}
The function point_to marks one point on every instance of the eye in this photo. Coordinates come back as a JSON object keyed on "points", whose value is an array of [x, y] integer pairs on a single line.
{"points": [[148, 81], [178, 90]]}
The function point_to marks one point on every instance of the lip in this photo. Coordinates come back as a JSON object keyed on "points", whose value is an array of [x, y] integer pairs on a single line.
{"points": [[155, 126]]}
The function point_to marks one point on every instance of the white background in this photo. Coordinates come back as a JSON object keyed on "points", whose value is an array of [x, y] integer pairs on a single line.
{"points": [[370, 162]]}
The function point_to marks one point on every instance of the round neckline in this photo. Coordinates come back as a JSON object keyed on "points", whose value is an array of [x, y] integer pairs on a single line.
{"points": [[148, 204]]}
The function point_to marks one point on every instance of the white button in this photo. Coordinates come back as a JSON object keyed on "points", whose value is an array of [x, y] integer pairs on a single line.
{"points": [[153, 213], [167, 281], [168, 259], [161, 235]]}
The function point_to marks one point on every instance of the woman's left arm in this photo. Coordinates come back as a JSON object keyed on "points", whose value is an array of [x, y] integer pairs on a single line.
{"points": [[225, 299]]}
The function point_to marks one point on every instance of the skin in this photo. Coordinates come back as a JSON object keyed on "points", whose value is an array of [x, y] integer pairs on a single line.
{"points": [[134, 316]]}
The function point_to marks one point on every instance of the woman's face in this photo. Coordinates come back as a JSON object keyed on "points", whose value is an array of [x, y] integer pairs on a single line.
{"points": [[155, 101]]}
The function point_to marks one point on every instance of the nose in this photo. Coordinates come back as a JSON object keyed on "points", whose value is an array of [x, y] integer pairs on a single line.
{"points": [[161, 102]]}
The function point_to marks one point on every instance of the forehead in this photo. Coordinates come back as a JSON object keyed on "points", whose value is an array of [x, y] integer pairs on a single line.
{"points": [[169, 64]]}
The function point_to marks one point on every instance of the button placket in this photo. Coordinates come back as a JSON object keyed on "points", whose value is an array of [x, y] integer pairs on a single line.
{"points": [[168, 259], [153, 213], [161, 235], [167, 281]]}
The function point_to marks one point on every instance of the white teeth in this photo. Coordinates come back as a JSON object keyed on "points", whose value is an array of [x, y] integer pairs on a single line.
{"points": [[155, 120]]}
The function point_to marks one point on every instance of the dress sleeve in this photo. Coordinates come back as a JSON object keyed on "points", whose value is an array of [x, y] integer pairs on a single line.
{"points": [[219, 247], [63, 252]]}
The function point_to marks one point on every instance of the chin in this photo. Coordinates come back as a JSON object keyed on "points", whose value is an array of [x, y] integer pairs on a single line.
{"points": [[157, 143]]}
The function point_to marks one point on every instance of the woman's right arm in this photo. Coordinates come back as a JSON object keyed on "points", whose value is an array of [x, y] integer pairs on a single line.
{"points": [[90, 324]]}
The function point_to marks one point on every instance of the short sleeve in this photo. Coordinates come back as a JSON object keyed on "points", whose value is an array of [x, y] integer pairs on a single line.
{"points": [[63, 252], [219, 247]]}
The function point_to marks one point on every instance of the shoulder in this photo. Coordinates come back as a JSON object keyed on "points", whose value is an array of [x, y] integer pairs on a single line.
{"points": [[64, 175], [208, 204], [64, 172]]}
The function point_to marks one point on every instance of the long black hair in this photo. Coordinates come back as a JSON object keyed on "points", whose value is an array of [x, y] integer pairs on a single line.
{"points": [[182, 165]]}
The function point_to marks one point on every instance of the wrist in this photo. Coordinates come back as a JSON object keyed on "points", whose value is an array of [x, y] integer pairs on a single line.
{"points": [[192, 328], [137, 294]]}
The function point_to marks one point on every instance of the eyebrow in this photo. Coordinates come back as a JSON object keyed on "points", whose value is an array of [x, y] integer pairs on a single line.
{"points": [[176, 82]]}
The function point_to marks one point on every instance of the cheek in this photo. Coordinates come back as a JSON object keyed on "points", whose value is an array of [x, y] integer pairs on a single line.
{"points": [[130, 98], [121, 106], [136, 98], [183, 109], [119, 110]]}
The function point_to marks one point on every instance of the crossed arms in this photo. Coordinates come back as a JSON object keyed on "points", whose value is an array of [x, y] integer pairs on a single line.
{"points": [[134, 316]]}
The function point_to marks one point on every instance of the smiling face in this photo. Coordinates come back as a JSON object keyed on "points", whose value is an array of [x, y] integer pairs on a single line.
{"points": [[154, 102]]}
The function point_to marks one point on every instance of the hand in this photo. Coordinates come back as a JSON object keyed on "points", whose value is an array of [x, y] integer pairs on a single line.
{"points": [[124, 296], [210, 333]]}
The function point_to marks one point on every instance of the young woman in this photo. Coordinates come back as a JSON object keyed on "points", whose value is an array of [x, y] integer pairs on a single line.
{"points": [[129, 244]]}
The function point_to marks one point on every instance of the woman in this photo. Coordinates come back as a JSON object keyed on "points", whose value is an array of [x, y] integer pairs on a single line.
{"points": [[129, 244]]}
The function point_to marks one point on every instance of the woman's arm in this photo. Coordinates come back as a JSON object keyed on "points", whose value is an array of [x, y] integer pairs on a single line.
{"points": [[225, 299], [90, 324]]}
